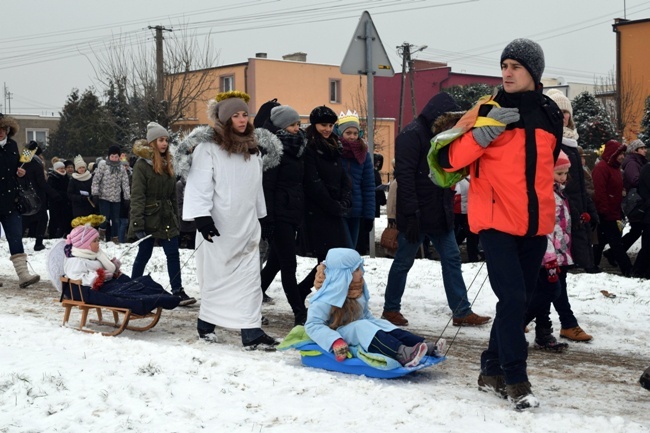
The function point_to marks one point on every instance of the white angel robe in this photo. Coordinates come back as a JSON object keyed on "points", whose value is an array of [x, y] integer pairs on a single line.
{"points": [[229, 189]]}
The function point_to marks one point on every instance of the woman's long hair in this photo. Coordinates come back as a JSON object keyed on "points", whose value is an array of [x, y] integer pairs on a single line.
{"points": [[161, 163], [348, 313]]}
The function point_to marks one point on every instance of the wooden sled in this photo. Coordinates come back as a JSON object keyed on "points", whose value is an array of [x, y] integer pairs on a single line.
{"points": [[122, 317]]}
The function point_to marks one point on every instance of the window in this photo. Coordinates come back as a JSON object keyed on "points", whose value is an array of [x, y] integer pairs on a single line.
{"points": [[227, 83], [335, 90], [38, 135]]}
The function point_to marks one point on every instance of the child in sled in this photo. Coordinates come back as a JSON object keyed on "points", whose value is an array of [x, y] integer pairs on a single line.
{"points": [[87, 262], [338, 315]]}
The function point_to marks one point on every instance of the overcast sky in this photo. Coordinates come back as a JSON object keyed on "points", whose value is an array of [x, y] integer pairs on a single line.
{"points": [[48, 46]]}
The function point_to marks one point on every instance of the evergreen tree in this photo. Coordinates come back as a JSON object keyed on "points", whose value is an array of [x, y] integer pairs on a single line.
{"points": [[645, 124], [82, 128], [467, 95], [592, 121]]}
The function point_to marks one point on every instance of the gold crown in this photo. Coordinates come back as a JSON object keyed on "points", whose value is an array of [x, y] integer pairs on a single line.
{"points": [[233, 94], [350, 116]]}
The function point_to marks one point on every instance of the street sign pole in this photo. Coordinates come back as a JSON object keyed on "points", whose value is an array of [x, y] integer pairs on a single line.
{"points": [[370, 121], [359, 60]]}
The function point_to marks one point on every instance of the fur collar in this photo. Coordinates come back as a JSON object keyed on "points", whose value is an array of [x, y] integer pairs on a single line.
{"points": [[270, 147]]}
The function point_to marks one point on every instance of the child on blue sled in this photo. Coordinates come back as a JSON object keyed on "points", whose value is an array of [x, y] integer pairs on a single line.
{"points": [[338, 316]]}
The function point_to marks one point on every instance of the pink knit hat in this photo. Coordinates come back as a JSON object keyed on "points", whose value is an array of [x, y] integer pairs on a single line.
{"points": [[82, 236], [562, 161]]}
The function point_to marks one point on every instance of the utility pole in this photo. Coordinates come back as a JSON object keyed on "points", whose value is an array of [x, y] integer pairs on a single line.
{"points": [[7, 98], [160, 89], [403, 50]]}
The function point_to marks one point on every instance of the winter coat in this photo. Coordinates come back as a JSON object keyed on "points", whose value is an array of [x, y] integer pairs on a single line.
{"points": [[511, 187], [644, 191], [109, 184], [82, 205], [580, 202], [184, 226], [416, 191], [327, 196], [362, 180], [9, 164], [154, 208], [282, 181], [631, 166], [60, 207], [608, 182], [559, 241]]}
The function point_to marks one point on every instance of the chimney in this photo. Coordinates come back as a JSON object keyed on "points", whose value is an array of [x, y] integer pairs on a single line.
{"points": [[296, 57], [260, 55]]}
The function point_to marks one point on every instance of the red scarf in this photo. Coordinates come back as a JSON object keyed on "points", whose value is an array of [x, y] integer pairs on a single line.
{"points": [[355, 149]]}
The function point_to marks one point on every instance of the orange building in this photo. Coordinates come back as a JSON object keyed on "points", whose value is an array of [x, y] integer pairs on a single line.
{"points": [[293, 82], [632, 73]]}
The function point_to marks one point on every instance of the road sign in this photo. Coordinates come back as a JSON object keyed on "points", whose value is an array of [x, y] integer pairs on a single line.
{"points": [[355, 60]]}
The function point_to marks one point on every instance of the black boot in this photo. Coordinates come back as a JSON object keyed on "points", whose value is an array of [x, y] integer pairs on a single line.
{"points": [[38, 245], [544, 340]]}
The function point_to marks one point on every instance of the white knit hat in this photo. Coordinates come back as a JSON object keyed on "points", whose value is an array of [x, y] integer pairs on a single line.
{"points": [[79, 162], [561, 100]]}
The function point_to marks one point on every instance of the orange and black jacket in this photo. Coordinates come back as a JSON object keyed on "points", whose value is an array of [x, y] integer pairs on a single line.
{"points": [[511, 188]]}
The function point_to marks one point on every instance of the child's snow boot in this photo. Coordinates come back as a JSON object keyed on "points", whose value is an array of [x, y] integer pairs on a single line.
{"points": [[544, 340]]}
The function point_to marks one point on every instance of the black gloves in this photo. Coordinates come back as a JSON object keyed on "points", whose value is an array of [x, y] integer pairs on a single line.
{"points": [[267, 229], [205, 225], [413, 228], [392, 222], [140, 234], [367, 224]]}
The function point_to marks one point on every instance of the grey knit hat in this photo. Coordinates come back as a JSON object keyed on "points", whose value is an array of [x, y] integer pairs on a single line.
{"points": [[155, 131], [529, 54], [283, 116], [228, 107], [57, 165], [635, 145]]}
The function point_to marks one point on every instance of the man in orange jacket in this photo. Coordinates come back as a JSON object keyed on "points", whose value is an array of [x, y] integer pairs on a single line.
{"points": [[511, 206]]}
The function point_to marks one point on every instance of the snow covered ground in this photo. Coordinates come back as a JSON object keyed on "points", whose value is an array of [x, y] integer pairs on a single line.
{"points": [[55, 379]]}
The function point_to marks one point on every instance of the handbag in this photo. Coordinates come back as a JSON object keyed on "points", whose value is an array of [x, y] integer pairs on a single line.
{"points": [[389, 238], [632, 206], [27, 202]]}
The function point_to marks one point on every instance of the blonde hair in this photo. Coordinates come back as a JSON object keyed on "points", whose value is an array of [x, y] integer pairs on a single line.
{"points": [[348, 313]]}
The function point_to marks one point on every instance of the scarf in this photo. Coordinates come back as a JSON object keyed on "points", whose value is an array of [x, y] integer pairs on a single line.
{"points": [[241, 144], [355, 149], [99, 255], [82, 177], [570, 133], [3, 142], [114, 166], [293, 144]]}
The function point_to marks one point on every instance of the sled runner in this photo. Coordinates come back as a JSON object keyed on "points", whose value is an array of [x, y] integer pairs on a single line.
{"points": [[74, 295], [361, 363]]}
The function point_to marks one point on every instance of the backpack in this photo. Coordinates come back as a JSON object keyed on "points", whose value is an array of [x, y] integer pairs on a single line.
{"points": [[632, 206]]}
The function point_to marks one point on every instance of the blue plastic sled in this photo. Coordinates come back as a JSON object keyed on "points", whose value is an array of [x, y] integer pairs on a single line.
{"points": [[327, 361]]}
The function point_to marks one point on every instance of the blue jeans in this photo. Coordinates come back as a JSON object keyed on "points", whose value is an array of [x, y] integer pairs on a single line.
{"points": [[112, 213], [170, 247], [124, 225], [452, 276], [12, 225], [247, 335], [513, 264], [352, 226]]}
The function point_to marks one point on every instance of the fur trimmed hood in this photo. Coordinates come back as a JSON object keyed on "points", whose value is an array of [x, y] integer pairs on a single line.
{"points": [[184, 150], [11, 123], [142, 149], [270, 147], [446, 121]]}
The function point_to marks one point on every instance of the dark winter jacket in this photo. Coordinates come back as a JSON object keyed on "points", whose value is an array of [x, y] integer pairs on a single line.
{"points": [[644, 191], [154, 208], [283, 189], [82, 205], [59, 205], [416, 191], [8, 179], [362, 179], [608, 182], [36, 176], [579, 202], [184, 226], [327, 194], [631, 166]]}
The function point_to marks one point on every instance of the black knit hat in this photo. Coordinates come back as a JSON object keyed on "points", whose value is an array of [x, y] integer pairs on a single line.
{"points": [[114, 150], [529, 54], [322, 114]]}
